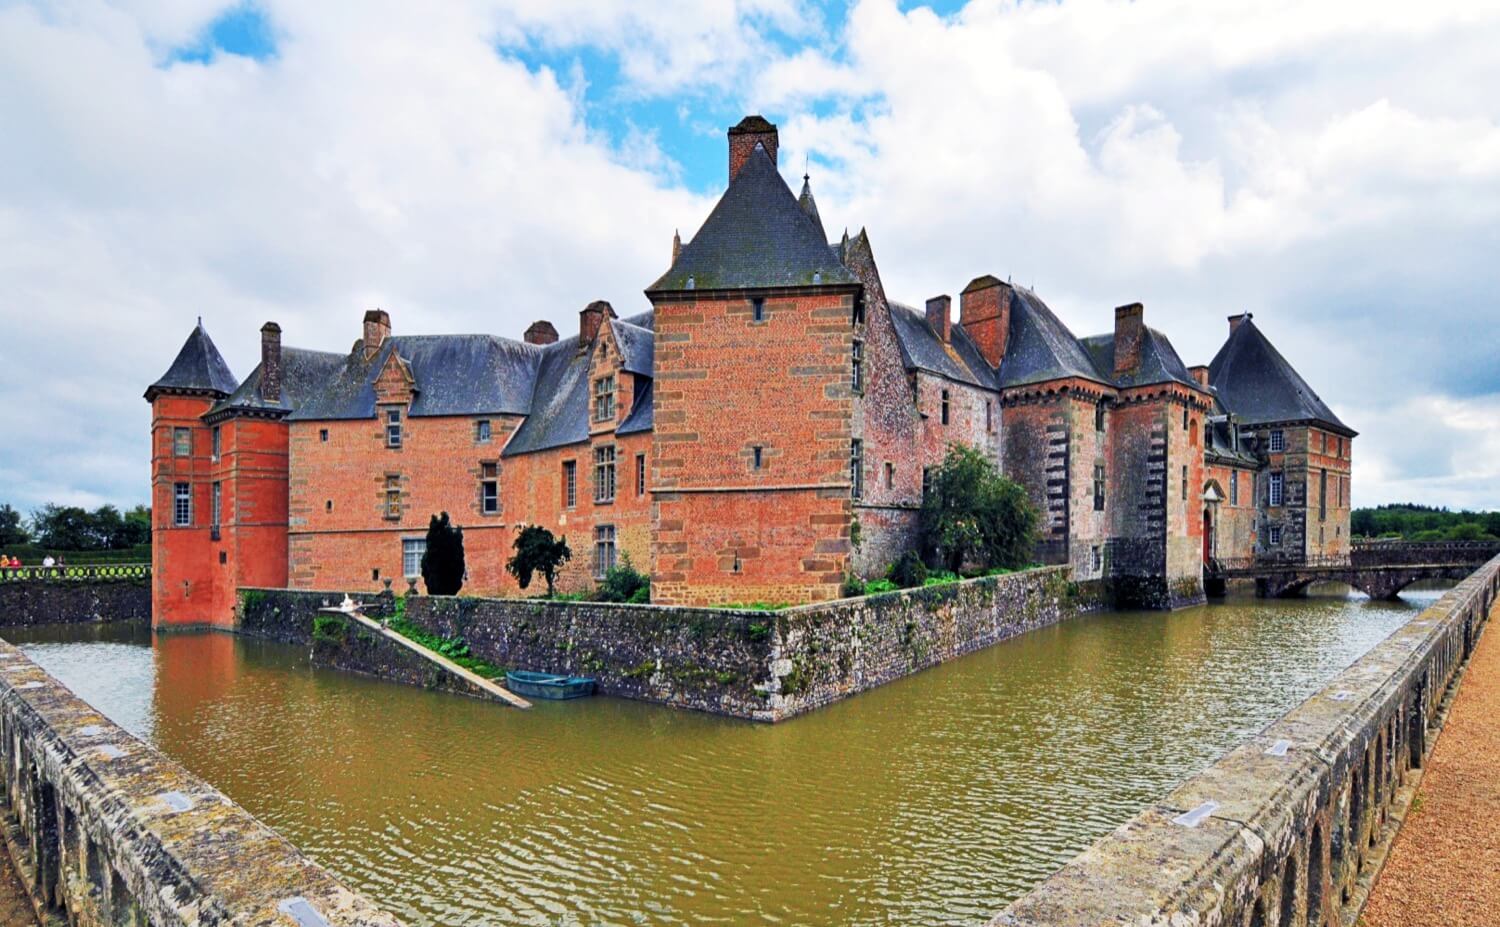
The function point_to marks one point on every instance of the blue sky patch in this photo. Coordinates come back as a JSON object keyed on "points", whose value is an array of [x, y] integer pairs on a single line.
{"points": [[244, 30]]}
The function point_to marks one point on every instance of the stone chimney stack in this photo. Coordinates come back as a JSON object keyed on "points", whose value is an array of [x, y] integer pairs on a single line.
{"points": [[590, 318], [377, 329], [1130, 331], [270, 362], [940, 316], [1235, 320], [751, 131], [1200, 375], [541, 332], [984, 313]]}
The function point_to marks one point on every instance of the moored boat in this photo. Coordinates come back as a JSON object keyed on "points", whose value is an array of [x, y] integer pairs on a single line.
{"points": [[548, 685]]}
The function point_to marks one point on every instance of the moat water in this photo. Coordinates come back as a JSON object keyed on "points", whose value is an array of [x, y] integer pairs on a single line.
{"points": [[934, 800]]}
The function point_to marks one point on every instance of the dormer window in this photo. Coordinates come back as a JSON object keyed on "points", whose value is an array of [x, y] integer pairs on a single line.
{"points": [[604, 399], [393, 428]]}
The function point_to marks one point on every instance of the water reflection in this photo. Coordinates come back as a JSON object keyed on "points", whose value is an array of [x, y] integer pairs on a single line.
{"points": [[936, 799]]}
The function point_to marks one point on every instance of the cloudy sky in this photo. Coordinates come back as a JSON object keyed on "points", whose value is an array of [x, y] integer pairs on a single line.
{"points": [[1332, 167]]}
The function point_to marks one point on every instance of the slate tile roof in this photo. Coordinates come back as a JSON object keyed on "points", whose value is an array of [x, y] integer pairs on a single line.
{"points": [[454, 374], [1259, 386], [199, 367], [1159, 361], [923, 349], [757, 236], [303, 374], [559, 413], [1039, 347]]}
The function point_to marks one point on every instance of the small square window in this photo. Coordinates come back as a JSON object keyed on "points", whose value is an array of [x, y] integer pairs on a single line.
{"points": [[1278, 441], [323, 435], [182, 442], [755, 458], [393, 428], [1273, 535], [758, 309], [482, 431]]}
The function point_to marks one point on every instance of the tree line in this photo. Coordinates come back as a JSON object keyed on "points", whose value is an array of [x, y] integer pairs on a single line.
{"points": [[1424, 523], [73, 528]]}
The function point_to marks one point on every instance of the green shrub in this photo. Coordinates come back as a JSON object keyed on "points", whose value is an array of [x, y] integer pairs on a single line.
{"points": [[973, 515], [877, 586], [332, 629], [853, 586], [909, 571], [443, 561], [538, 551], [624, 583], [941, 578]]}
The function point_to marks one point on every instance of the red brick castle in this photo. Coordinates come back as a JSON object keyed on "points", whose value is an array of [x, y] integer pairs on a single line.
{"points": [[765, 429]]}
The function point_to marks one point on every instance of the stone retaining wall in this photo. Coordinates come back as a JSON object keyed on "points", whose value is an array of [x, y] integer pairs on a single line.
{"points": [[24, 603], [766, 666], [1285, 829], [105, 831]]}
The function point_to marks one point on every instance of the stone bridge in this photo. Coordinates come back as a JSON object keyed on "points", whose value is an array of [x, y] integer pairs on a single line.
{"points": [[1380, 569]]}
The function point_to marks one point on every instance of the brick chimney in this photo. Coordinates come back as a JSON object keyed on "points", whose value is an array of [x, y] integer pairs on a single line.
{"points": [[1200, 375], [590, 318], [541, 332], [1130, 331], [377, 329], [270, 362], [1235, 320], [743, 138], [940, 316], [984, 313]]}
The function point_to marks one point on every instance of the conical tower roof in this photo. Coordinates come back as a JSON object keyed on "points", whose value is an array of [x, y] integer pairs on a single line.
{"points": [[1260, 386], [199, 368], [757, 236]]}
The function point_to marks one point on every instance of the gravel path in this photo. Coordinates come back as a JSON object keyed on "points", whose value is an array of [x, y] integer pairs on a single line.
{"points": [[1444, 869]]}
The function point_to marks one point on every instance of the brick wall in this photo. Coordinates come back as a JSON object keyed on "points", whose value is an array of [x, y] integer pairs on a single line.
{"points": [[185, 569], [726, 384]]}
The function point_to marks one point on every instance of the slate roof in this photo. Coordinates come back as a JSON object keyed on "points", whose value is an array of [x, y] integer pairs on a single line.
{"points": [[923, 349], [1259, 386], [1040, 347], [455, 375], [199, 367], [1159, 361], [757, 236], [560, 407], [810, 208], [303, 375], [639, 418]]}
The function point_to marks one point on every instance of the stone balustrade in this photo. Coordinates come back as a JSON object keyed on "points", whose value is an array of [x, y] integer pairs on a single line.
{"points": [[107, 832], [1289, 828]]}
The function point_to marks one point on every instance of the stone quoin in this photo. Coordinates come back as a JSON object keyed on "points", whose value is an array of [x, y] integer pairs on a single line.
{"points": [[759, 433]]}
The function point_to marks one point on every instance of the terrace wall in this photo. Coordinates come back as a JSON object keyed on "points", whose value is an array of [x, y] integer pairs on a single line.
{"points": [[765, 666]]}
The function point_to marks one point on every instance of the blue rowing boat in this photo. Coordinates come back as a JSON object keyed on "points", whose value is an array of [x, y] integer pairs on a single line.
{"points": [[548, 685]]}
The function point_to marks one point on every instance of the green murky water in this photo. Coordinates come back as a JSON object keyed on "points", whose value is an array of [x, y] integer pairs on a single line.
{"points": [[934, 800]]}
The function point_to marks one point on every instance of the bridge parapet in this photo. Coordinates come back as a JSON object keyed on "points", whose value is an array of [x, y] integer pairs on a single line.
{"points": [[1283, 829], [1367, 554], [87, 573]]}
